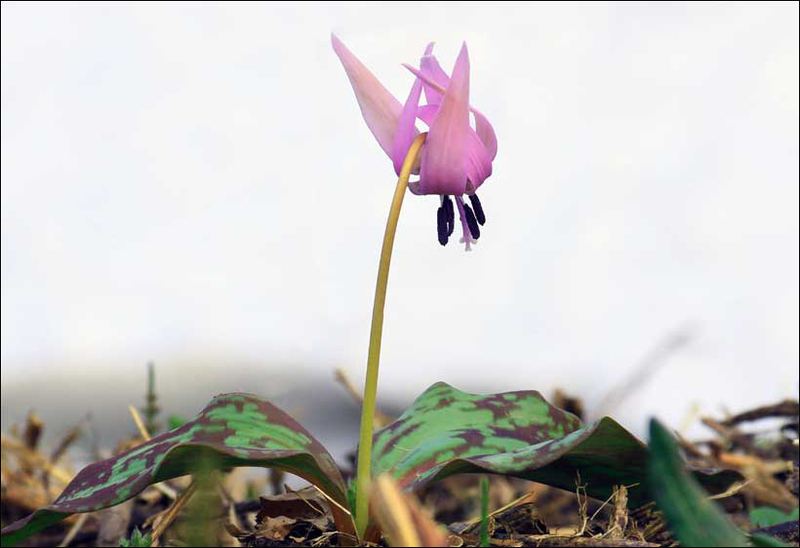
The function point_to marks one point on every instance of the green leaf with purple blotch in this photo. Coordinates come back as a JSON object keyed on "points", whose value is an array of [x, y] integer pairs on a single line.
{"points": [[233, 430], [447, 431]]}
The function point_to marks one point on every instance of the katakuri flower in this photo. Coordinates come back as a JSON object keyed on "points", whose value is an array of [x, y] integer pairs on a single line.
{"points": [[456, 158]]}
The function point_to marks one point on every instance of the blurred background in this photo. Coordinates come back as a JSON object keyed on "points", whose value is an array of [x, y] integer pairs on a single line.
{"points": [[193, 184]]}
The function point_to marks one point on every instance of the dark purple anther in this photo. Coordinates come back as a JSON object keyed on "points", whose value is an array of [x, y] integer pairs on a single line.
{"points": [[441, 225], [476, 204], [472, 222], [449, 211]]}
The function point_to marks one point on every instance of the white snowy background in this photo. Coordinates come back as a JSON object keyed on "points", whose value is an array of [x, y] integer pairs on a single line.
{"points": [[193, 184]]}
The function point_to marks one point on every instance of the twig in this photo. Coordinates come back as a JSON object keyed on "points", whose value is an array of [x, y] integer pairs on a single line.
{"points": [[786, 408]]}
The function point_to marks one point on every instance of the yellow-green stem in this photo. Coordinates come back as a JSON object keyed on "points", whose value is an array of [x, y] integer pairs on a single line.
{"points": [[374, 356]]}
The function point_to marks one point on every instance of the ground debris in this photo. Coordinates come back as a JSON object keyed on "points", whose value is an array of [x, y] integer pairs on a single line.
{"points": [[759, 443], [294, 518]]}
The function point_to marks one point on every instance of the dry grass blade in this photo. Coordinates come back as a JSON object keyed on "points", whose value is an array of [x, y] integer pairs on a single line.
{"points": [[380, 419], [732, 490], [164, 489], [393, 514], [76, 527], [331, 501], [168, 516], [309, 504], [139, 424], [524, 499], [401, 517]]}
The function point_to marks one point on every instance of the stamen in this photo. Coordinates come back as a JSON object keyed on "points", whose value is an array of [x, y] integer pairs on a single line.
{"points": [[472, 222], [447, 203], [476, 203], [441, 225]]}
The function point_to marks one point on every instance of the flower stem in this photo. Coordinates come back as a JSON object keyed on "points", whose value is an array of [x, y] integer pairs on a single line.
{"points": [[371, 384]]}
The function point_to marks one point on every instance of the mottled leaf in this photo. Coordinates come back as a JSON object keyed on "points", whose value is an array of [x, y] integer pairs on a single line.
{"points": [[233, 430], [693, 519], [447, 431]]}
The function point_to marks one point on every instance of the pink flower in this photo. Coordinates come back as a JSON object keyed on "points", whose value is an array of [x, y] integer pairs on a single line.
{"points": [[456, 159]]}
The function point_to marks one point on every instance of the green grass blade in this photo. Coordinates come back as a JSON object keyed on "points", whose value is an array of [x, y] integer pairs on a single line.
{"points": [[485, 512], [693, 519]]}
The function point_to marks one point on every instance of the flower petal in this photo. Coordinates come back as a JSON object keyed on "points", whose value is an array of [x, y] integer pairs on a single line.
{"points": [[437, 83], [444, 165], [431, 68], [381, 110], [479, 163], [486, 133], [406, 129]]}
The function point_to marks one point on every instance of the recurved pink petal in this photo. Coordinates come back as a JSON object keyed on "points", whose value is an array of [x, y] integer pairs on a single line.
{"points": [[406, 129], [435, 82], [444, 157], [486, 133], [479, 165], [381, 110]]}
